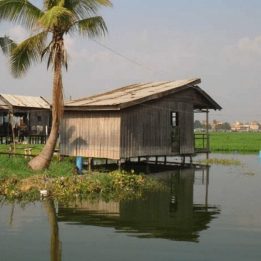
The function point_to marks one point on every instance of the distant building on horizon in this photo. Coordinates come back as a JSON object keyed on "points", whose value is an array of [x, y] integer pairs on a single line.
{"points": [[252, 126]]}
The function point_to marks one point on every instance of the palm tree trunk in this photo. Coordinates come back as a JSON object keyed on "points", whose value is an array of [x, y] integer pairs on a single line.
{"points": [[43, 160], [55, 243]]}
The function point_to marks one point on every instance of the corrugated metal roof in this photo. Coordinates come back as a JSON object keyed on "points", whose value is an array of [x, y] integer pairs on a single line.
{"points": [[131, 93], [25, 101], [3, 105]]}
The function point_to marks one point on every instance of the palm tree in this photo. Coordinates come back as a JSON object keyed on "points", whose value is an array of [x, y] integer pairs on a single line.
{"points": [[48, 27]]}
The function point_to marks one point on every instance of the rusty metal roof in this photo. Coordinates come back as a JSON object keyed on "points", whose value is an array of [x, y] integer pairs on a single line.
{"points": [[3, 105], [130, 93], [24, 101], [134, 94]]}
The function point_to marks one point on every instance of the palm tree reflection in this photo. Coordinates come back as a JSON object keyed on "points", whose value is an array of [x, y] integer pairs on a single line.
{"points": [[55, 243]]}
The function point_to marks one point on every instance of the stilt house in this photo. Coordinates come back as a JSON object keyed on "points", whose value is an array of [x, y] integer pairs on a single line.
{"points": [[27, 116], [140, 120]]}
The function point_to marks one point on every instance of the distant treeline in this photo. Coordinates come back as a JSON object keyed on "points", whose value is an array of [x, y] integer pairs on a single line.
{"points": [[220, 126]]}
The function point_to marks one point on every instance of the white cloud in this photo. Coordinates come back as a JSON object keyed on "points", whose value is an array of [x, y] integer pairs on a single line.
{"points": [[246, 52], [251, 46]]}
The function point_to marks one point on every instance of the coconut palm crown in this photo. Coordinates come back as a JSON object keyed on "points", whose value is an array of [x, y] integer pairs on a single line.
{"points": [[48, 27]]}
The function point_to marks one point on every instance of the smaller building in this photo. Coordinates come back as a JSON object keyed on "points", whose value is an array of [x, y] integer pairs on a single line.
{"points": [[23, 116], [253, 126]]}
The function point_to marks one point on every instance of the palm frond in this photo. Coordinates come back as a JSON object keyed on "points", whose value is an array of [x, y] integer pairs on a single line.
{"points": [[83, 8], [20, 11], [93, 26], [27, 52], [7, 45], [57, 17]]}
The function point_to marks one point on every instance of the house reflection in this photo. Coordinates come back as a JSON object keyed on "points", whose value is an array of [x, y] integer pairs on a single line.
{"points": [[169, 214]]}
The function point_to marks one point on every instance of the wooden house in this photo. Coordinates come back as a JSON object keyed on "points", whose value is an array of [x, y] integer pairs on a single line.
{"points": [[27, 116], [140, 120]]}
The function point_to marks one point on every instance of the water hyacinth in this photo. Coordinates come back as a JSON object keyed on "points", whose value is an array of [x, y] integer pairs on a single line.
{"points": [[225, 162], [114, 185]]}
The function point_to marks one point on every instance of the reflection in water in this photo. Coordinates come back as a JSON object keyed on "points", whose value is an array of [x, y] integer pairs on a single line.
{"points": [[55, 244], [168, 214]]}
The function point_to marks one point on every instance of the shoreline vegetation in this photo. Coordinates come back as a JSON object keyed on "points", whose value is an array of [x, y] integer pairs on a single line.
{"points": [[19, 182]]}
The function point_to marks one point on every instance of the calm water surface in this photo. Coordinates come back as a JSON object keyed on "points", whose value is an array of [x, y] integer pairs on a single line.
{"points": [[202, 216]]}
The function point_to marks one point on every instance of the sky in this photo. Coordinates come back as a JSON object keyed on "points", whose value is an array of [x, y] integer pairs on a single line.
{"points": [[218, 41]]}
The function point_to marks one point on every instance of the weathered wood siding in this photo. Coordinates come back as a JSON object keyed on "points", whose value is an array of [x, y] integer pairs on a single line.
{"points": [[91, 134], [146, 128], [141, 130]]}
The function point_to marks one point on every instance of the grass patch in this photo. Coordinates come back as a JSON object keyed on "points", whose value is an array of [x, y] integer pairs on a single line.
{"points": [[244, 142], [14, 167], [17, 166]]}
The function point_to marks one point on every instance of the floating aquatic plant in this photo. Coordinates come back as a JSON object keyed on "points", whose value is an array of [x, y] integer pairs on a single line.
{"points": [[114, 185], [225, 162]]}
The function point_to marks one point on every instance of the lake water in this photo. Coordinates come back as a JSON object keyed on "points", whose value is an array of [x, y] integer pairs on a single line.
{"points": [[203, 215]]}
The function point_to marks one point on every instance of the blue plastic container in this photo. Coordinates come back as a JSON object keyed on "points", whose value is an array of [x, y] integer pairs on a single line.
{"points": [[79, 164], [260, 154]]}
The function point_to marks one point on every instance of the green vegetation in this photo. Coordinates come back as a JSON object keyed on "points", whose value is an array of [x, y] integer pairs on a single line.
{"points": [[248, 142], [16, 166], [235, 141], [17, 181], [225, 162]]}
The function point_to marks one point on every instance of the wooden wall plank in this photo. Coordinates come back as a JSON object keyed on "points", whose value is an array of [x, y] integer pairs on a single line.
{"points": [[91, 134]]}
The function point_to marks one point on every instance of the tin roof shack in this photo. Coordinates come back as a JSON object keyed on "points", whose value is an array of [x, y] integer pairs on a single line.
{"points": [[28, 115], [140, 120]]}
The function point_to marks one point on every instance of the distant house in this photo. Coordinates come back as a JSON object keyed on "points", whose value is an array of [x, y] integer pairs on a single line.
{"points": [[27, 115], [254, 126], [139, 120], [239, 126], [246, 127]]}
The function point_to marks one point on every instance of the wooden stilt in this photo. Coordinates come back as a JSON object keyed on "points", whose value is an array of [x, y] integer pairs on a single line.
{"points": [[156, 160], [207, 182], [183, 160], [147, 165], [90, 160], [119, 165], [165, 160]]}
